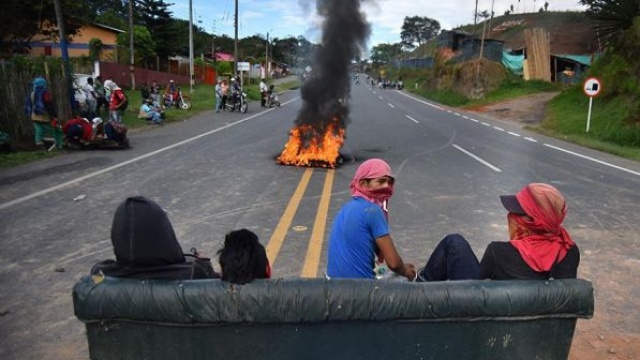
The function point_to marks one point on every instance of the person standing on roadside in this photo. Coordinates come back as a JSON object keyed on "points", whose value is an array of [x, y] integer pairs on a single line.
{"points": [[118, 102], [92, 98], [264, 92], [39, 107], [101, 96], [224, 86], [360, 231], [155, 91], [218, 95]]}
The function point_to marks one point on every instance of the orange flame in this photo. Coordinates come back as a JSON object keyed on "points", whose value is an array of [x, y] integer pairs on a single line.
{"points": [[308, 146]]}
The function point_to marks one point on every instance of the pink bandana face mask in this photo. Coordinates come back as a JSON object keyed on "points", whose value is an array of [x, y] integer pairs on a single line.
{"points": [[372, 169]]}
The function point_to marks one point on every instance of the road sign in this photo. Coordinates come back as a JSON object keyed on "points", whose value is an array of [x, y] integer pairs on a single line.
{"points": [[243, 66], [592, 87]]}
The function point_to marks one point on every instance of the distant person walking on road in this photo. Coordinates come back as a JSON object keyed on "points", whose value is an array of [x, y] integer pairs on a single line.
{"points": [[39, 107]]}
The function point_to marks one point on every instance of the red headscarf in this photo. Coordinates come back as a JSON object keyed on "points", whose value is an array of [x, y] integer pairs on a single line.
{"points": [[372, 169], [540, 237]]}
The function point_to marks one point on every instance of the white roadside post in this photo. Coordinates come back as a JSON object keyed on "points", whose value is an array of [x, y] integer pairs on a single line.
{"points": [[591, 88], [242, 67]]}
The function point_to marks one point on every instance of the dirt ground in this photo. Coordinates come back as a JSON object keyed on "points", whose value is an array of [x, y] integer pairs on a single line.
{"points": [[612, 333]]}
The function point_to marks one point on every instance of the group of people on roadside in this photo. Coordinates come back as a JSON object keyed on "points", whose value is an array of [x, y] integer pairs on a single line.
{"points": [[39, 106], [539, 247], [227, 92]]}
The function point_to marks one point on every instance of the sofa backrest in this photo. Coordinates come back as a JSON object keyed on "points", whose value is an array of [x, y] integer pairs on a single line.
{"points": [[339, 318]]}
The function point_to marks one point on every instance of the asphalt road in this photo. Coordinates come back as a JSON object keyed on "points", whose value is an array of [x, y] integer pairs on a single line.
{"points": [[217, 172]]}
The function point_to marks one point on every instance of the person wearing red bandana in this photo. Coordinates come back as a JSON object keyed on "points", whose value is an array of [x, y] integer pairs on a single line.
{"points": [[360, 231], [540, 247]]}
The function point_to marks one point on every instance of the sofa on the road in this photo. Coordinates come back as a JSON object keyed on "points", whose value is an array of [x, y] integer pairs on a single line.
{"points": [[330, 319]]}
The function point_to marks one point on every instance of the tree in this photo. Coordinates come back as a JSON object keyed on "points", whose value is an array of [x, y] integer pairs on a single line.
{"points": [[614, 19], [154, 14], [417, 29], [384, 53], [22, 20], [95, 49], [144, 44]]}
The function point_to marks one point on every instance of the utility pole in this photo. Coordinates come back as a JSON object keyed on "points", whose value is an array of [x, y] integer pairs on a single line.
{"points": [[131, 49], [266, 59], [475, 16], [64, 53], [213, 41], [191, 76], [235, 43]]}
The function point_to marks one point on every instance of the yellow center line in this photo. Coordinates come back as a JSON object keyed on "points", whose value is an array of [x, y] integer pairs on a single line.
{"points": [[277, 238], [312, 259]]}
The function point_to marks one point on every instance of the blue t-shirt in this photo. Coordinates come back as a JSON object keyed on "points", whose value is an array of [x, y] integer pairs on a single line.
{"points": [[353, 239]]}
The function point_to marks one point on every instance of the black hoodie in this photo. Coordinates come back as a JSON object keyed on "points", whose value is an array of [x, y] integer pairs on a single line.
{"points": [[145, 244]]}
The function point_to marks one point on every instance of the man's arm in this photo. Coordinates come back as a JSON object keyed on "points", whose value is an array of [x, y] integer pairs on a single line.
{"points": [[393, 259]]}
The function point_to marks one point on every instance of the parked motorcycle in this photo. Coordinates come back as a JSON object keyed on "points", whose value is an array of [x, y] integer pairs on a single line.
{"points": [[180, 101], [272, 98], [240, 103]]}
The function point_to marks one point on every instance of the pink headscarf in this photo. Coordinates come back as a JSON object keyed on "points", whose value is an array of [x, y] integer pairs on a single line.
{"points": [[540, 238], [372, 169]]}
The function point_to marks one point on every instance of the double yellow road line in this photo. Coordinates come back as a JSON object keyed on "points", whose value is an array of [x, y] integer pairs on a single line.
{"points": [[314, 250]]}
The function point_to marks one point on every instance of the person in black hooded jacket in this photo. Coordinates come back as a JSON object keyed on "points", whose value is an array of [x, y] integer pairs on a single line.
{"points": [[146, 246]]}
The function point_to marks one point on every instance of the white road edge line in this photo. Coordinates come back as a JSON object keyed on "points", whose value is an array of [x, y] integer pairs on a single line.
{"points": [[412, 119], [514, 134], [390, 104], [498, 128], [494, 168], [418, 100], [531, 139], [131, 161], [594, 160], [485, 124], [380, 97]]}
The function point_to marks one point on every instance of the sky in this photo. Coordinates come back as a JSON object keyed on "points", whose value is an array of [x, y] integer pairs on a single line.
{"points": [[284, 18]]}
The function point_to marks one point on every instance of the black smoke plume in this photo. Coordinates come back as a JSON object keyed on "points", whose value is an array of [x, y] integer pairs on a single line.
{"points": [[344, 33]]}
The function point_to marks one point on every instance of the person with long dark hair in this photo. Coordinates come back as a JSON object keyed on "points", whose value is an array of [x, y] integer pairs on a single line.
{"points": [[243, 259]]}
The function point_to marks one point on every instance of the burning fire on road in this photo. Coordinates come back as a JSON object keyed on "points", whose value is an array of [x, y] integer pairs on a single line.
{"points": [[320, 128], [314, 147]]}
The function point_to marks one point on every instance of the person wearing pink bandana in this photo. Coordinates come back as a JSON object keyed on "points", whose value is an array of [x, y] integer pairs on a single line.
{"points": [[539, 246], [360, 231]]}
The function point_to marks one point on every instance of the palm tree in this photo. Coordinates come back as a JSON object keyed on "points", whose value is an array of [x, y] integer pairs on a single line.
{"points": [[614, 18]]}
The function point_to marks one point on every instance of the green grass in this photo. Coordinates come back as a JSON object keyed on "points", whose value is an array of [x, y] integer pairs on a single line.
{"points": [[202, 99], [608, 131], [22, 157], [513, 88]]}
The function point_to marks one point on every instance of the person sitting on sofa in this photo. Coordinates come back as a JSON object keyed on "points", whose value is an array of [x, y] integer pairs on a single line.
{"points": [[539, 247], [243, 258], [146, 246]]}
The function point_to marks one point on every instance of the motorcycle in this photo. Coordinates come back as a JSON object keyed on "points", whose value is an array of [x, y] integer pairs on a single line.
{"points": [[180, 101], [240, 103], [272, 98]]}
